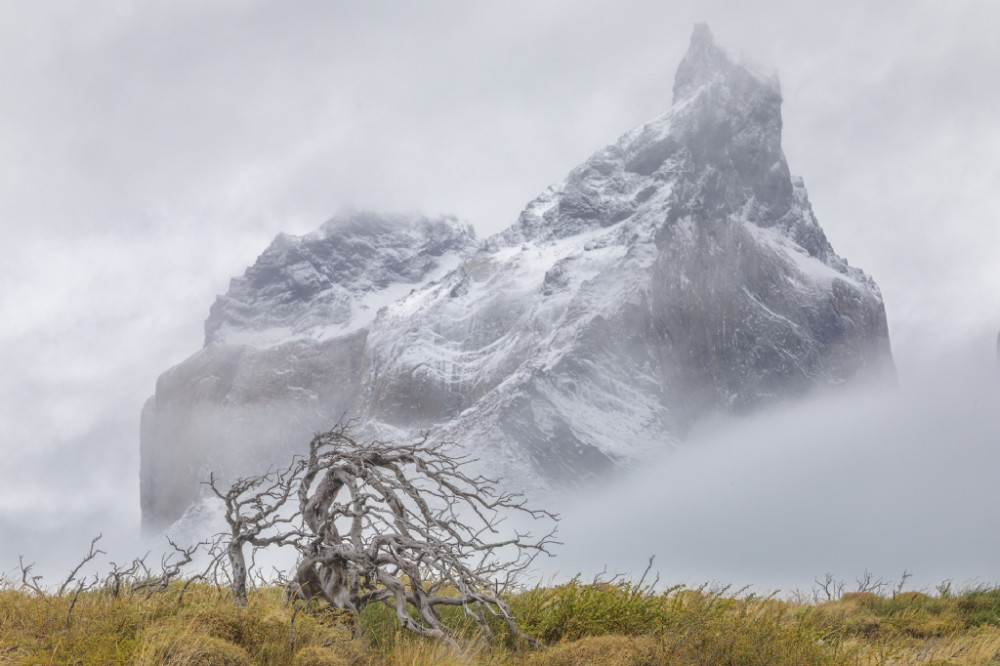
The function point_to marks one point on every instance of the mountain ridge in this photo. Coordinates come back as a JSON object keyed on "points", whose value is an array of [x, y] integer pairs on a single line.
{"points": [[676, 273]]}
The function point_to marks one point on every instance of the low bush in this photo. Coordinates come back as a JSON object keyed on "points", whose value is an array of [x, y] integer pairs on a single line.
{"points": [[980, 606], [576, 610]]}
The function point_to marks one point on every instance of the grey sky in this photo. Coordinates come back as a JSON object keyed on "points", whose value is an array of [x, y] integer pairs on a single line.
{"points": [[150, 150]]}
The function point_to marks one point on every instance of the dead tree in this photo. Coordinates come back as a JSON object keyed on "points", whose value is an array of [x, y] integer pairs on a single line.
{"points": [[253, 511], [407, 526], [400, 524]]}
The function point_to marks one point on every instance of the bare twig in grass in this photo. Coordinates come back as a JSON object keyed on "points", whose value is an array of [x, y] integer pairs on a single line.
{"points": [[831, 588], [868, 583], [118, 575], [94, 552], [291, 625], [902, 582], [639, 589], [171, 567], [76, 595], [34, 582]]}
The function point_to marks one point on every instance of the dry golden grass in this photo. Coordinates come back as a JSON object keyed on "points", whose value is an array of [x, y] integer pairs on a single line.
{"points": [[608, 624], [340, 653], [175, 645], [599, 650]]}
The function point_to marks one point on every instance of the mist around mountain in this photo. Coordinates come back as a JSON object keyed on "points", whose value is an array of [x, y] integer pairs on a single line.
{"points": [[883, 480], [677, 274], [880, 479]]}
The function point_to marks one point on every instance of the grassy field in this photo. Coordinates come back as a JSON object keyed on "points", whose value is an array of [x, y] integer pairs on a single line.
{"points": [[616, 624]]}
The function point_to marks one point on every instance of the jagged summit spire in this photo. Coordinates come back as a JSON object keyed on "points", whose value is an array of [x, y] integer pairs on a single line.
{"points": [[702, 42], [702, 62], [702, 33], [706, 62]]}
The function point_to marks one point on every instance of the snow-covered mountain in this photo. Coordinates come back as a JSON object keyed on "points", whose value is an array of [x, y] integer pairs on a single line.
{"points": [[677, 273]]}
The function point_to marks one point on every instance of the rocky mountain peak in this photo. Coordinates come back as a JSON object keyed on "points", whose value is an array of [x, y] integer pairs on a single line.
{"points": [[677, 273], [715, 153], [727, 117], [703, 62], [332, 281], [706, 63]]}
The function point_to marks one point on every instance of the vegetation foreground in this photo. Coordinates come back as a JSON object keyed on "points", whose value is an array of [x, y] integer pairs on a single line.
{"points": [[618, 623]]}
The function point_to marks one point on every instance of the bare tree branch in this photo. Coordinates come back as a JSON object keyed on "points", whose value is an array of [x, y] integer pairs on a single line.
{"points": [[868, 583], [831, 588], [94, 552], [253, 511], [33, 583], [404, 525], [172, 566]]}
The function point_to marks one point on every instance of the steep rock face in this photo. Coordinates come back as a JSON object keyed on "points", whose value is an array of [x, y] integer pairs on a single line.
{"points": [[333, 281], [677, 273], [283, 351]]}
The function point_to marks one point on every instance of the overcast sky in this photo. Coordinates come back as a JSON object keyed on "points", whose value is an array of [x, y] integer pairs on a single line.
{"points": [[150, 150]]}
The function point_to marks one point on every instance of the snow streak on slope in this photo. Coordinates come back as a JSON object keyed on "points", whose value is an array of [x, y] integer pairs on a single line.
{"points": [[676, 274], [334, 281]]}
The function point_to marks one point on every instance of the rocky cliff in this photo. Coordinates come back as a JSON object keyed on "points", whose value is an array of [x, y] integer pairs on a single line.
{"points": [[677, 273]]}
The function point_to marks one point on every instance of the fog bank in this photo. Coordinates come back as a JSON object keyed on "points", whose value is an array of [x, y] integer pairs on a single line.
{"points": [[876, 480]]}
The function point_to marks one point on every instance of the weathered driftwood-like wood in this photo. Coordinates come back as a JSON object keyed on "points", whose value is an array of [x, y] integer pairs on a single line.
{"points": [[380, 522]]}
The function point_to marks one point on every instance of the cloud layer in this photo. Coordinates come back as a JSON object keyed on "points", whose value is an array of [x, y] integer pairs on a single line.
{"points": [[862, 480]]}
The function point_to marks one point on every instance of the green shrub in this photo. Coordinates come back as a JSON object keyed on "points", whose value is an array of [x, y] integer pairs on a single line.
{"points": [[705, 628], [575, 610], [980, 606]]}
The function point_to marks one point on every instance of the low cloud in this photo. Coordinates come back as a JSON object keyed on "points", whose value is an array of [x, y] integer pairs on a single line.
{"points": [[883, 481]]}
